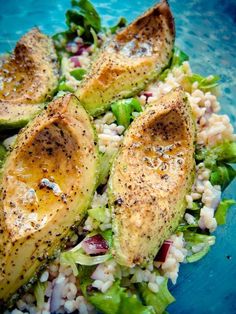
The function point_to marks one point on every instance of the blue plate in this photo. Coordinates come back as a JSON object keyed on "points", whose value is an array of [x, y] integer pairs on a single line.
{"points": [[206, 30]]}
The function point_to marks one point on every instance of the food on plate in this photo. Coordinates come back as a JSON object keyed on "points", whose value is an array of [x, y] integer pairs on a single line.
{"points": [[150, 179], [48, 181], [133, 58], [101, 207], [29, 76]]}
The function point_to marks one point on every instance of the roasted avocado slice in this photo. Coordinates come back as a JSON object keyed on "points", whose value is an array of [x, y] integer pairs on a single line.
{"points": [[150, 178], [28, 78], [47, 183], [133, 58]]}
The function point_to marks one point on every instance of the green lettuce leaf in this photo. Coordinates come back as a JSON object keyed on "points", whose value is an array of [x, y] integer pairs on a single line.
{"points": [[199, 255], [78, 73], [98, 213], [205, 83], [159, 300], [82, 20], [184, 226], [132, 305], [90, 16], [77, 256], [39, 292], [108, 236], [63, 86], [222, 175], [121, 23], [204, 242], [222, 209], [177, 59], [217, 159], [106, 160], [195, 206], [225, 152], [3, 154], [108, 302], [116, 300], [123, 110]]}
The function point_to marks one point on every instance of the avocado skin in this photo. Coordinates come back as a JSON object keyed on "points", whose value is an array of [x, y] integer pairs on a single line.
{"points": [[150, 178], [29, 76], [133, 58], [58, 145]]}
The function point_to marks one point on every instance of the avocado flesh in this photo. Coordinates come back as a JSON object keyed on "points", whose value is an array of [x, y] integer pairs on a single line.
{"points": [[150, 178], [28, 77], [58, 146], [133, 58]]}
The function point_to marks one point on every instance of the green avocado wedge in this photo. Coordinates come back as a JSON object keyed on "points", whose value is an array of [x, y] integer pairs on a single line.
{"points": [[48, 181], [150, 178], [28, 77], [134, 57]]}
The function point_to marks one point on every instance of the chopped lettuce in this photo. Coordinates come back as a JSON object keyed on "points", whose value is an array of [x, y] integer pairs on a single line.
{"points": [[222, 175], [82, 20], [77, 255], [179, 57], [108, 302], [195, 206], [198, 245], [88, 14], [177, 60], [196, 238], [95, 39], [222, 209], [194, 211], [121, 23], [68, 259], [83, 15], [3, 154], [98, 213], [63, 86], [217, 159], [119, 300], [225, 152], [106, 160], [184, 226], [39, 292], [78, 73], [116, 300], [108, 236], [159, 300], [123, 110], [205, 83], [132, 305], [198, 255]]}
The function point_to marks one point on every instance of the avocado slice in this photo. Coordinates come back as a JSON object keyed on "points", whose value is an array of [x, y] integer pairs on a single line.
{"points": [[28, 78], [47, 184], [150, 178], [133, 58]]}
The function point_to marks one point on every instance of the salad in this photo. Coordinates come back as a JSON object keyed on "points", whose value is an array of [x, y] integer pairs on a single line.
{"points": [[113, 161]]}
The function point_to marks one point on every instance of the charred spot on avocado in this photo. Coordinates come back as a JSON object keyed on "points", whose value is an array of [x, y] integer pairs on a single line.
{"points": [[29, 77]]}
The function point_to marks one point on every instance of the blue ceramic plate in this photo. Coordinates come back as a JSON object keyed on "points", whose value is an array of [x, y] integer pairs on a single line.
{"points": [[206, 30]]}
